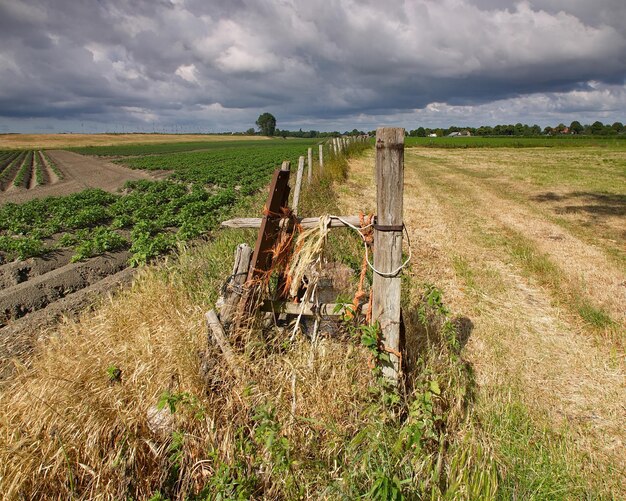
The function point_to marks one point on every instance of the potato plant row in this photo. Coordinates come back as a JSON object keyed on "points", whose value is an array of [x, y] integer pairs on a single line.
{"points": [[22, 179], [149, 218], [52, 164], [245, 168], [163, 148]]}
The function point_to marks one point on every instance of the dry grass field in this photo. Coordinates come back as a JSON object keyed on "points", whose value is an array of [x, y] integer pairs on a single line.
{"points": [[529, 245], [56, 141]]}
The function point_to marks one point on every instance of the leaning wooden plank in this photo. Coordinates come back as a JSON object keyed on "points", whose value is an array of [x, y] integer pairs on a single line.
{"points": [[307, 222], [270, 223], [233, 292], [216, 329]]}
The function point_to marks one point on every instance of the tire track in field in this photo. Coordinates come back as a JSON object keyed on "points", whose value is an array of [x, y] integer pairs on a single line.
{"points": [[519, 338], [583, 264]]}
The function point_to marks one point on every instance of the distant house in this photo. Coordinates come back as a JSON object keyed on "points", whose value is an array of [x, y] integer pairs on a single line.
{"points": [[432, 135], [463, 133]]}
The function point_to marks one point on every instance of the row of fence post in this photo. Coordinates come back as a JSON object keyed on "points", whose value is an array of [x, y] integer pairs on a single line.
{"points": [[336, 146], [386, 285]]}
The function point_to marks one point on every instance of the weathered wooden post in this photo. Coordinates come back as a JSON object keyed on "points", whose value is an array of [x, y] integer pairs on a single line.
{"points": [[270, 223], [296, 191], [310, 165], [228, 303], [321, 159], [388, 242]]}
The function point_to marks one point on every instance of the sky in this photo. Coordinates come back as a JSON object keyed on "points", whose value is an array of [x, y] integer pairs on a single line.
{"points": [[211, 66]]}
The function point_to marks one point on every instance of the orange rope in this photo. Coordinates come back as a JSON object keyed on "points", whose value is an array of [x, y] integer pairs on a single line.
{"points": [[369, 238], [282, 251]]}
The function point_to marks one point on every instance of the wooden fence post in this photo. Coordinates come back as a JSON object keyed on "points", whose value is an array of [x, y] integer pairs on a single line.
{"points": [[310, 165], [321, 159], [388, 242], [296, 191], [241, 268]]}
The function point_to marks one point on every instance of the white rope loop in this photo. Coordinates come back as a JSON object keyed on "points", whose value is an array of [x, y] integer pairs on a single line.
{"points": [[389, 274]]}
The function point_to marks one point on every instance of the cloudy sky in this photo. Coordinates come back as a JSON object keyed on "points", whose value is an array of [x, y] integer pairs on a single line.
{"points": [[207, 65]]}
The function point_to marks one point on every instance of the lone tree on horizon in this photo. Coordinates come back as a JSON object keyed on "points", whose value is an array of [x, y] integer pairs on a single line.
{"points": [[266, 123]]}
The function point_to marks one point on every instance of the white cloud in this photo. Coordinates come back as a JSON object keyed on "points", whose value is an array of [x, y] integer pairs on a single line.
{"points": [[187, 72], [238, 59]]}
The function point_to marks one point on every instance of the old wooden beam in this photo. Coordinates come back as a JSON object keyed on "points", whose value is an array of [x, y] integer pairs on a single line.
{"points": [[216, 329], [270, 223], [321, 158], [298, 187], [388, 242], [234, 288], [305, 222]]}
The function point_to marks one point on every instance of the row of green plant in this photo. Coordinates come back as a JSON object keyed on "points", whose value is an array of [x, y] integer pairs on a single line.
{"points": [[618, 142], [52, 164], [163, 148], [22, 178], [155, 215], [39, 169]]}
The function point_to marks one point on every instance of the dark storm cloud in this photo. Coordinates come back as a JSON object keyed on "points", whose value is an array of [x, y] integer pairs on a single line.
{"points": [[221, 63]]}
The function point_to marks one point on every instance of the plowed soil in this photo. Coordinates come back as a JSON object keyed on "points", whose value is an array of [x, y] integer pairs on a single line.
{"points": [[34, 293], [79, 172]]}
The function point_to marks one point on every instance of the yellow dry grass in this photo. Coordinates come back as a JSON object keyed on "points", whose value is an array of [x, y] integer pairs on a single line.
{"points": [[520, 338], [70, 430], [10, 141]]}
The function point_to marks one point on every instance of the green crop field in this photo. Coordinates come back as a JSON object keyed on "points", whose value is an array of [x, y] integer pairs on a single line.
{"points": [[246, 167], [147, 217], [160, 148]]}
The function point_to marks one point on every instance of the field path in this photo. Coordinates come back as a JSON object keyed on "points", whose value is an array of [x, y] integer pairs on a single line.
{"points": [[522, 340], [80, 172]]}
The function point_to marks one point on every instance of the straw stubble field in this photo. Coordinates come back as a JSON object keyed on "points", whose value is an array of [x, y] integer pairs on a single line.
{"points": [[529, 244]]}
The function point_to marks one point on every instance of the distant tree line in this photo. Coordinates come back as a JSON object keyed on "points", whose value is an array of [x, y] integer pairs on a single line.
{"points": [[596, 128], [266, 124]]}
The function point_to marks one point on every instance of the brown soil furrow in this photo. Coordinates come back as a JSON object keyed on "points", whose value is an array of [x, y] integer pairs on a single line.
{"points": [[18, 339], [46, 172], [81, 172], [26, 297], [21, 271], [95, 173], [519, 339], [32, 181]]}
